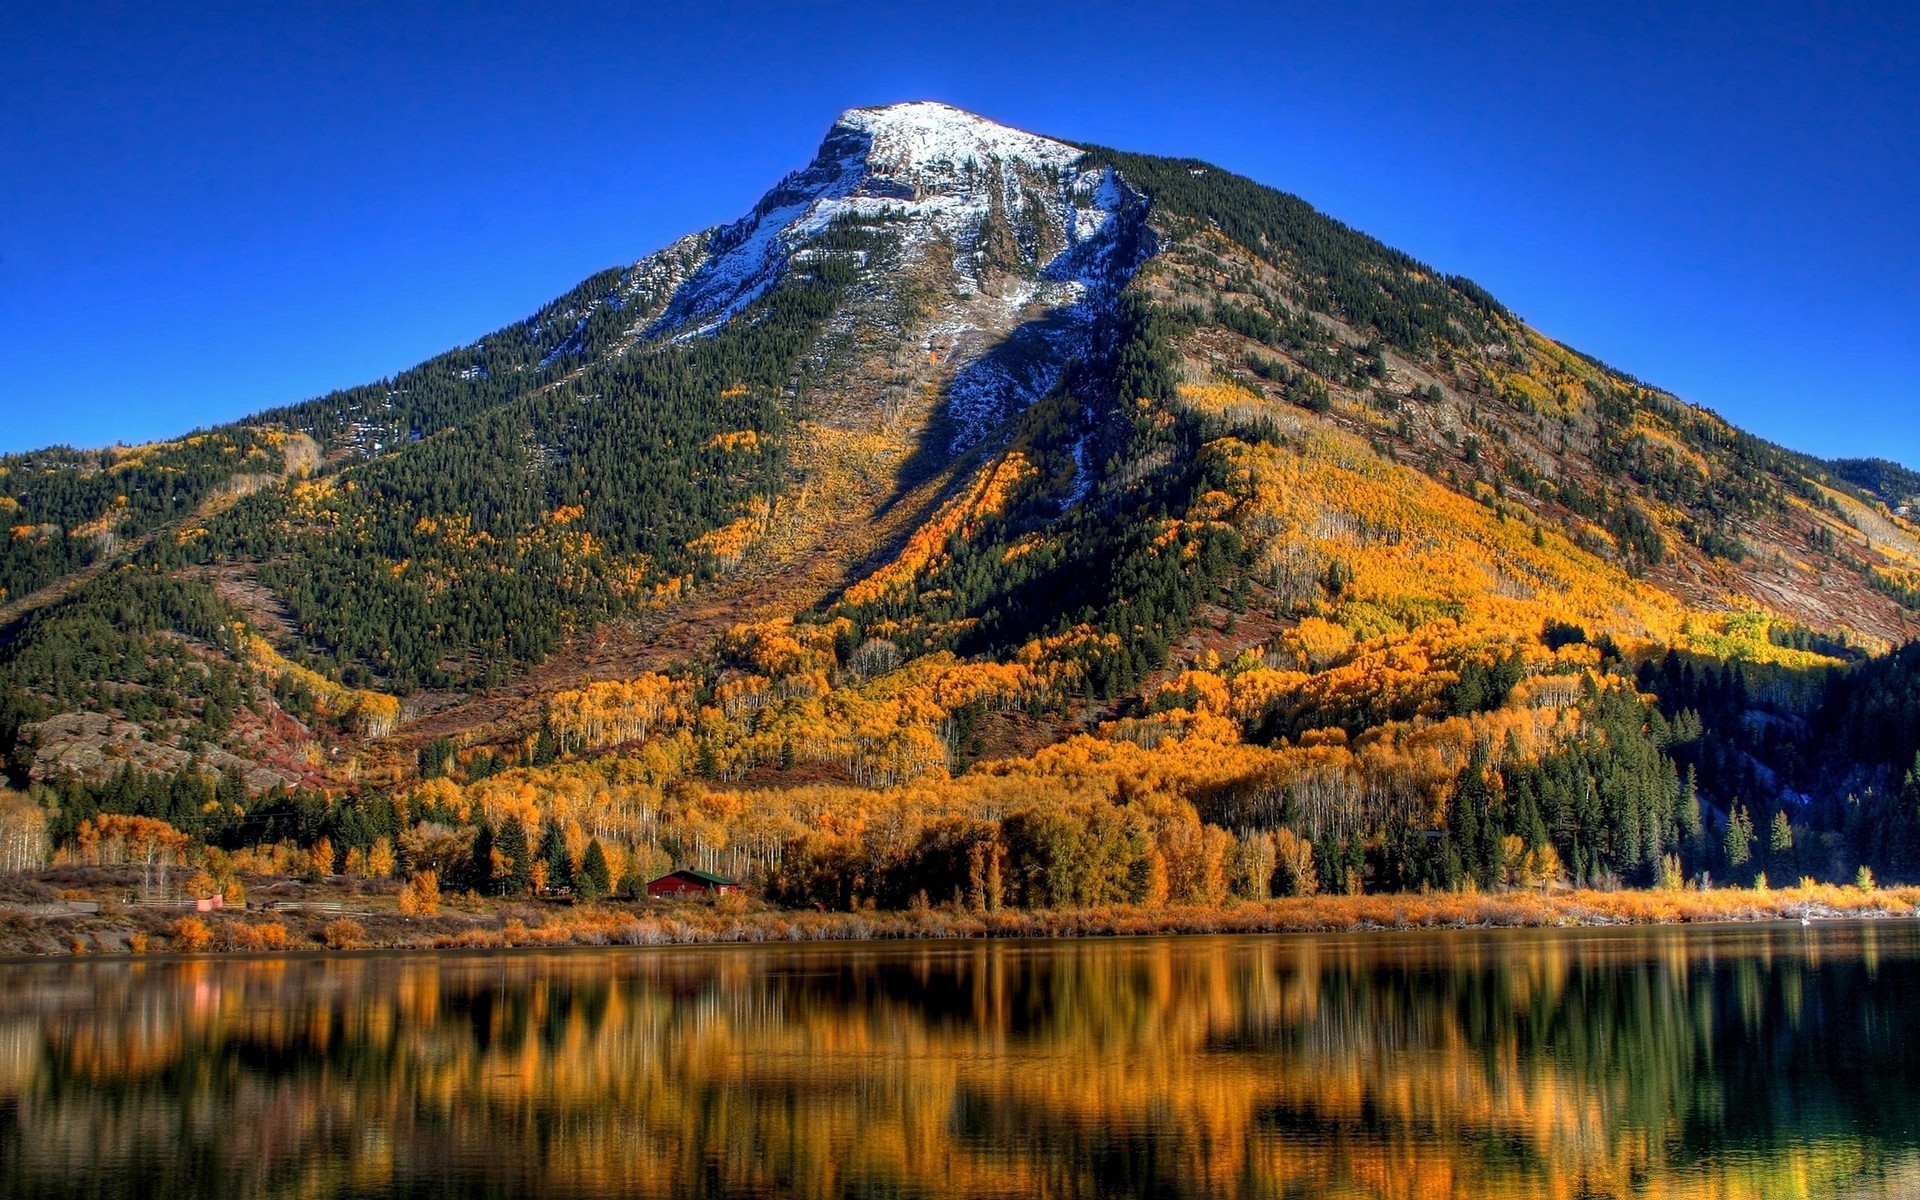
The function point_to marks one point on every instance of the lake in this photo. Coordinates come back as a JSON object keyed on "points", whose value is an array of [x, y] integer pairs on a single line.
{"points": [[1764, 1061]]}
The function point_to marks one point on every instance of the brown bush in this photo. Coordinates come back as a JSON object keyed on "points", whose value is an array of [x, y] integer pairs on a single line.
{"points": [[344, 934], [268, 935]]}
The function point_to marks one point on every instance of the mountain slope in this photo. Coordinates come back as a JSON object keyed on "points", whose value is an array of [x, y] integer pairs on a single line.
{"points": [[996, 467]]}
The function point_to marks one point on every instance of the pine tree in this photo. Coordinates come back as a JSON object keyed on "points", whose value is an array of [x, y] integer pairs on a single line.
{"points": [[545, 749], [595, 878], [1738, 839], [633, 884], [553, 851], [233, 788], [478, 875], [1780, 837], [511, 842], [1688, 809], [1464, 824]]}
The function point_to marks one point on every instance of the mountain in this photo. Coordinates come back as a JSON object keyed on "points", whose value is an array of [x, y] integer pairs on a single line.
{"points": [[1890, 481], [1115, 522]]}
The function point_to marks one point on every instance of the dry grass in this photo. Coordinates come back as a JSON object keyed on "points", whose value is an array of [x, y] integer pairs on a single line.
{"points": [[496, 926]]}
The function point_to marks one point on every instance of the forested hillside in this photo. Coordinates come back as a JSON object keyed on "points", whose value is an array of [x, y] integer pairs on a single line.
{"points": [[983, 521]]}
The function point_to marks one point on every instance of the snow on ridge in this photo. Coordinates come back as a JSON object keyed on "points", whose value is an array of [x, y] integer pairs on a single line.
{"points": [[937, 176], [1108, 242], [926, 163], [924, 134]]}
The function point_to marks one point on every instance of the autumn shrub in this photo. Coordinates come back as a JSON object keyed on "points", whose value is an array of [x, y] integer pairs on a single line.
{"points": [[191, 935], [266, 935], [343, 933]]}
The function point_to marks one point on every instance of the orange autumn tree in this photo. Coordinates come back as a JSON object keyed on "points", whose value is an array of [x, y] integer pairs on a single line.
{"points": [[116, 838]]}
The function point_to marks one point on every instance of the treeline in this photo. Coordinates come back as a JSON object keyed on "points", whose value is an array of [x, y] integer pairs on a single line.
{"points": [[1889, 481], [498, 537], [60, 508], [1340, 271], [1092, 822], [308, 832], [1824, 770], [1869, 720], [151, 647], [453, 388], [1611, 806], [216, 809]]}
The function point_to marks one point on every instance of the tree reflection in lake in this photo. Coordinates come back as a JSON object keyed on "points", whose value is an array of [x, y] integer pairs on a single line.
{"points": [[1734, 1061]]}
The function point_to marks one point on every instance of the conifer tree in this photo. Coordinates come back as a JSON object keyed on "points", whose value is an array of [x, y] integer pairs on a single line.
{"points": [[479, 873], [511, 842], [595, 878], [1738, 839], [633, 884], [553, 851]]}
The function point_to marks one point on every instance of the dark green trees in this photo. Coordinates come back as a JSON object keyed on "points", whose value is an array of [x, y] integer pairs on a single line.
{"points": [[553, 852], [515, 877], [595, 880]]}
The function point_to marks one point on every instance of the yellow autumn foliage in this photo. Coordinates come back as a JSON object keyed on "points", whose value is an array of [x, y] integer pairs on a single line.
{"points": [[985, 495], [373, 714]]}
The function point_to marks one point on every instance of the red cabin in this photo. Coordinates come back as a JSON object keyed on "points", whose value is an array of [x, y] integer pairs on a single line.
{"points": [[681, 885]]}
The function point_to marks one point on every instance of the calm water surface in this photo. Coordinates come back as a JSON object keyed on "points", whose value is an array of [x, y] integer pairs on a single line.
{"points": [[1761, 1061]]}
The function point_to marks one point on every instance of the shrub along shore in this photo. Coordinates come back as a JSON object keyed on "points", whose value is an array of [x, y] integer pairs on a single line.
{"points": [[317, 921]]}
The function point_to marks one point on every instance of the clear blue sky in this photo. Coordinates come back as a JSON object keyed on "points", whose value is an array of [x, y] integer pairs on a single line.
{"points": [[205, 213]]}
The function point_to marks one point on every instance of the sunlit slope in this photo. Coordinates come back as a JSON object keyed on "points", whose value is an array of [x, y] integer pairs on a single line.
{"points": [[971, 462]]}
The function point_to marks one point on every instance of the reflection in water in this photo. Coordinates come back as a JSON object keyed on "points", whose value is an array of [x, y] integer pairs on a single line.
{"points": [[1755, 1061]]}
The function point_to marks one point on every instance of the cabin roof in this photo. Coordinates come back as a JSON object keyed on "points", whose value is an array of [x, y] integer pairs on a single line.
{"points": [[702, 876]]}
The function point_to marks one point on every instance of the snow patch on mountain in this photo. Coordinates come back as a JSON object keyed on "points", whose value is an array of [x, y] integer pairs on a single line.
{"points": [[923, 137], [930, 170], [1109, 241], [1029, 243]]}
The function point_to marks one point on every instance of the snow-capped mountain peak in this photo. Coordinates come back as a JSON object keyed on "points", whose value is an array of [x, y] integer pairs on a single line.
{"points": [[930, 173], [923, 136]]}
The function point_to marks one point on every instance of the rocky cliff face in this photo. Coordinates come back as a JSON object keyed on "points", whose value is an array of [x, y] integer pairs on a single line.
{"points": [[992, 249]]}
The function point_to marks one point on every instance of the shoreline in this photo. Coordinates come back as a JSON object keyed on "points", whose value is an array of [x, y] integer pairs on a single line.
{"points": [[147, 934]]}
